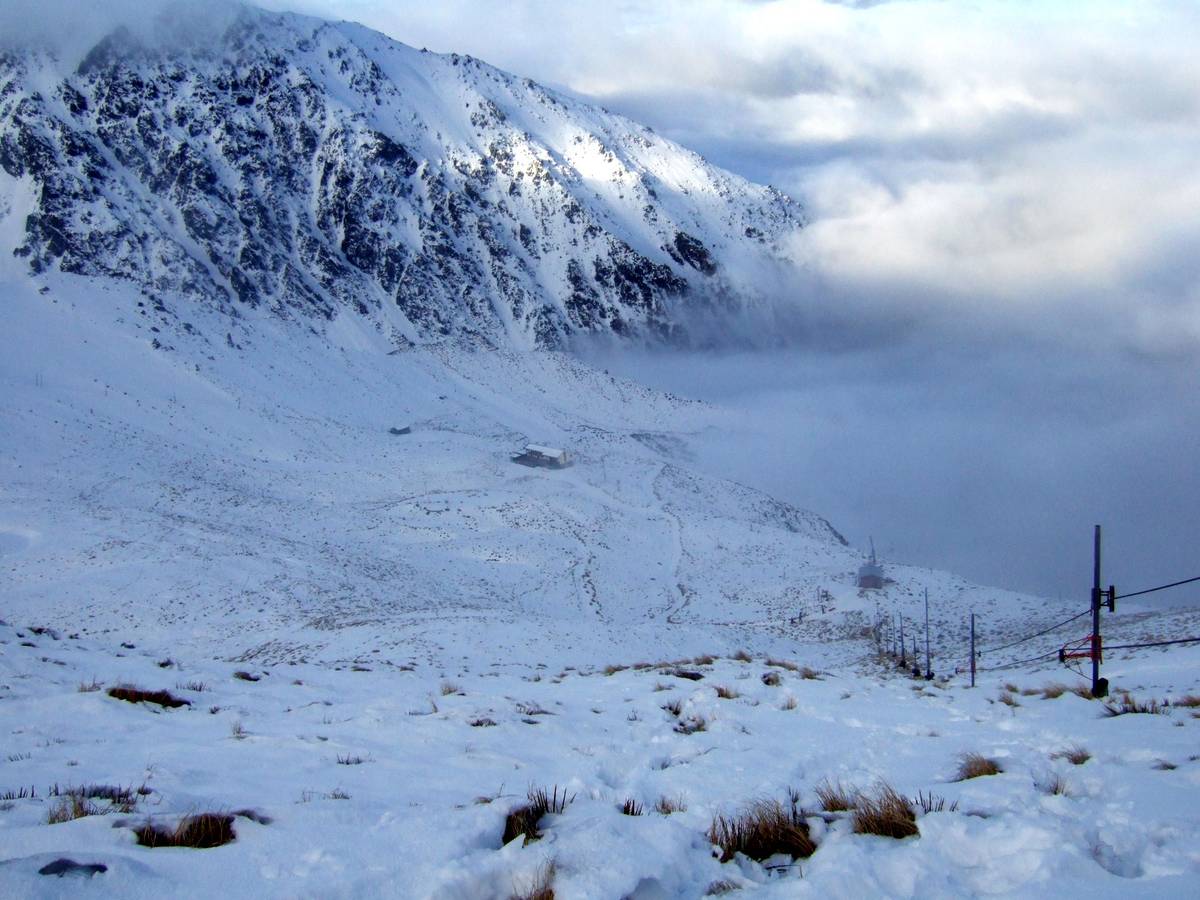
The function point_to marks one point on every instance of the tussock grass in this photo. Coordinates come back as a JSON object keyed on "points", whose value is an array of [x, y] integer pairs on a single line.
{"points": [[789, 703], [1007, 698], [931, 802], [1127, 704], [726, 693], [198, 686], [631, 807], [691, 724], [763, 830], [614, 669], [1188, 701], [88, 687], [448, 688], [541, 887], [200, 831], [1075, 755], [349, 760], [482, 722], [525, 818], [132, 694], [71, 807], [245, 676], [1055, 785], [771, 679], [742, 656], [665, 805], [1165, 765], [783, 664], [809, 674], [835, 797], [976, 765], [886, 813], [674, 707], [704, 659]]}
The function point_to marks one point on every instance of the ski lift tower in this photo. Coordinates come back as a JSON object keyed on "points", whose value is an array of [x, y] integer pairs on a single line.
{"points": [[870, 574]]}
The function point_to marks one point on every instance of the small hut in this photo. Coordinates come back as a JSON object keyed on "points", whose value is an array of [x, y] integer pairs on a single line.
{"points": [[870, 574], [541, 456]]}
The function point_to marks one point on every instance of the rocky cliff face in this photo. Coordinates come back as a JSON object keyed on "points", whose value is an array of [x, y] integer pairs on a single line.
{"points": [[316, 170]]}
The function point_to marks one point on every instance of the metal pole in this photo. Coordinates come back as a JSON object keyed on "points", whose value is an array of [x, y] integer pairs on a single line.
{"points": [[1096, 691], [928, 667], [903, 658], [972, 649]]}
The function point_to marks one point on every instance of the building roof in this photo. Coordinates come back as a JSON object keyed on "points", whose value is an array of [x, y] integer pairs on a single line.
{"points": [[543, 450]]}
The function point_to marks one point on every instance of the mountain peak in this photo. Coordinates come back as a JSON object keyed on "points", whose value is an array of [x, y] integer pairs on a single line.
{"points": [[315, 170]]}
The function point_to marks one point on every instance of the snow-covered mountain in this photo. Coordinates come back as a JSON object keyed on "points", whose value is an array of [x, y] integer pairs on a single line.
{"points": [[321, 170], [232, 264]]}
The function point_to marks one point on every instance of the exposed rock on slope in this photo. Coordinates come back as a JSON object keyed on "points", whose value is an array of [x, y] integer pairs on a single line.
{"points": [[313, 170]]}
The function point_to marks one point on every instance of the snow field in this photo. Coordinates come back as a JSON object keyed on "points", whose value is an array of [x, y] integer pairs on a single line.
{"points": [[380, 782]]}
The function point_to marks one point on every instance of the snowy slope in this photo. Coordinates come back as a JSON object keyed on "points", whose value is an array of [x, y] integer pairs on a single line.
{"points": [[319, 170], [250, 502], [379, 782]]}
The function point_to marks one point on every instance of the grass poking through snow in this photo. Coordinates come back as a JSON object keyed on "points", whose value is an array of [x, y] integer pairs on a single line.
{"points": [[763, 830]]}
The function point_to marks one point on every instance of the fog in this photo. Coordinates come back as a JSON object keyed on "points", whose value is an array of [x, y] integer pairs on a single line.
{"points": [[986, 461]]}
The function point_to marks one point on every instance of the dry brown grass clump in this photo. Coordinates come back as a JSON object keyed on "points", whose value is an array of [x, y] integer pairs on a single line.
{"points": [[631, 807], [1008, 699], [976, 765], [202, 831], [1127, 704], [133, 694], [674, 707], [809, 674], [245, 676], [541, 887], [726, 693], [1055, 785], [1189, 701], [835, 797], [70, 807], [87, 687], [885, 813], [762, 831], [783, 664], [613, 669], [742, 656], [771, 679], [665, 805], [525, 818], [704, 659], [691, 724], [1075, 755]]}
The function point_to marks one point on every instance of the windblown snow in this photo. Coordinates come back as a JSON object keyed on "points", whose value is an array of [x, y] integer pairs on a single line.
{"points": [[268, 309]]}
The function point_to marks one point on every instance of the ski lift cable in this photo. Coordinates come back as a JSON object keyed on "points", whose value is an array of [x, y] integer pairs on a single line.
{"points": [[1036, 634], [1161, 587]]}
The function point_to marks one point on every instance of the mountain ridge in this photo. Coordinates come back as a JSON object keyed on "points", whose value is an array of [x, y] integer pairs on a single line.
{"points": [[316, 169]]}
